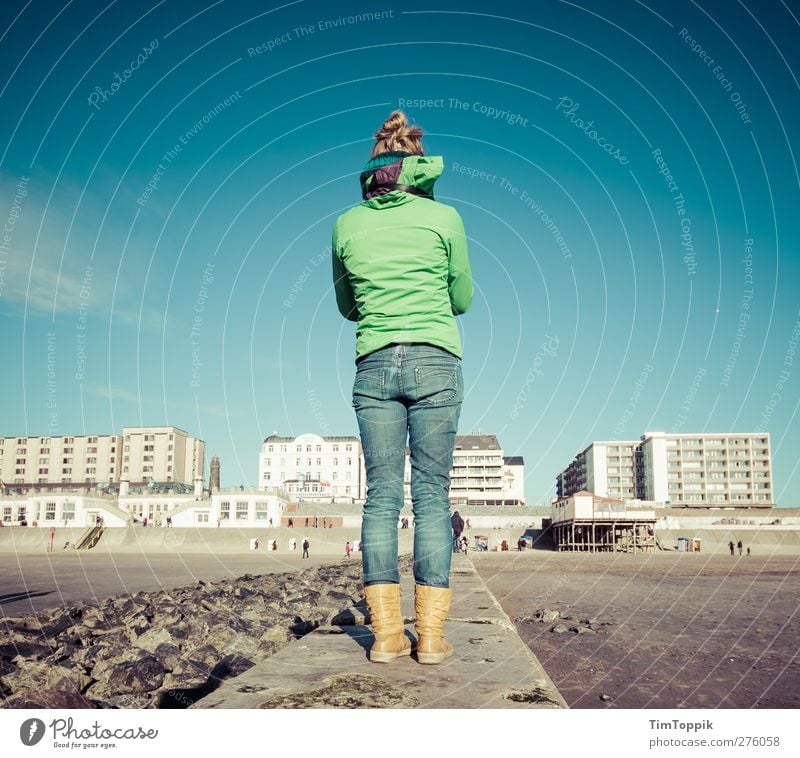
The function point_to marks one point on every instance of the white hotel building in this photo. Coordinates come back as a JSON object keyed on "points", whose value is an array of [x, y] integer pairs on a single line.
{"points": [[734, 470], [140, 454], [311, 467]]}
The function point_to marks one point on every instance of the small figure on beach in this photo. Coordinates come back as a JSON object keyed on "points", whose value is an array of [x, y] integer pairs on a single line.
{"points": [[748, 549], [468, 525], [169, 522], [316, 522], [290, 523], [464, 544], [521, 544], [457, 523], [731, 546], [324, 523], [144, 521], [740, 546], [347, 549], [306, 545], [306, 522]]}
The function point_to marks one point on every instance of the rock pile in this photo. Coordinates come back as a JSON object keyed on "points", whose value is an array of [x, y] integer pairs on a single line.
{"points": [[167, 649], [548, 615]]}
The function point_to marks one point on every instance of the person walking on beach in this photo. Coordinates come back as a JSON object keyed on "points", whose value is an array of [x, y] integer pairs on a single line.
{"points": [[457, 524], [347, 549], [401, 271], [748, 549], [740, 546], [731, 546], [305, 548]]}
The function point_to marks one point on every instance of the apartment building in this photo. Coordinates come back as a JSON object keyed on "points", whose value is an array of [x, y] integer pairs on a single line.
{"points": [[138, 455], [162, 453], [678, 469]]}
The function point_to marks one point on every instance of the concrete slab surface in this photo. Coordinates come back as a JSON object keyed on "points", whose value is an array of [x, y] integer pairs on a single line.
{"points": [[329, 668]]}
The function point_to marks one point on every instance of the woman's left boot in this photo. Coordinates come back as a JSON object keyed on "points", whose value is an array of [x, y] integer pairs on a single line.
{"points": [[383, 601]]}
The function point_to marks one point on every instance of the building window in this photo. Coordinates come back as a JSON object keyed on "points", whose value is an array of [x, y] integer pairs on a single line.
{"points": [[242, 510], [49, 511], [225, 510], [202, 517], [262, 513]]}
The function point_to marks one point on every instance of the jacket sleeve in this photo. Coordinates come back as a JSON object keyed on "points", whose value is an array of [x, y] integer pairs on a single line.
{"points": [[459, 277], [344, 292]]}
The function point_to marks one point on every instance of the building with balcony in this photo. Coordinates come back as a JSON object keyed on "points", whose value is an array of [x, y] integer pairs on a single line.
{"points": [[731, 470], [139, 455]]}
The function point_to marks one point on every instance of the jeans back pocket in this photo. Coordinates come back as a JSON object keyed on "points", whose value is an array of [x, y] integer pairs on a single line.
{"points": [[369, 383], [438, 385]]}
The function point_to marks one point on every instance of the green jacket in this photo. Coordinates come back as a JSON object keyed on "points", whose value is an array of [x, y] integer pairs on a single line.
{"points": [[400, 264]]}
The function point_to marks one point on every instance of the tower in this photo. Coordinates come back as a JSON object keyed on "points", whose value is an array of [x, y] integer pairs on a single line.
{"points": [[214, 480]]}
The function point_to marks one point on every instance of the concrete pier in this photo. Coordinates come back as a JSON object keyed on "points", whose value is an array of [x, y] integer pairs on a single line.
{"points": [[329, 668]]}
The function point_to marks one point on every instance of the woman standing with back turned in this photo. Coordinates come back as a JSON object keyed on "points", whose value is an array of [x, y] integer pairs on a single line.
{"points": [[401, 270]]}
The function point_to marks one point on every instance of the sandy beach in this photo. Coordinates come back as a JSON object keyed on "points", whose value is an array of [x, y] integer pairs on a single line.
{"points": [[31, 582], [674, 630]]}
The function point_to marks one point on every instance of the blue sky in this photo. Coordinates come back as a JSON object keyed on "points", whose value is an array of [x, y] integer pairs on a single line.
{"points": [[627, 174]]}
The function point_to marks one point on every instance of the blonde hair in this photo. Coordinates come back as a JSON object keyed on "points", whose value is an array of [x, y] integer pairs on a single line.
{"points": [[396, 135]]}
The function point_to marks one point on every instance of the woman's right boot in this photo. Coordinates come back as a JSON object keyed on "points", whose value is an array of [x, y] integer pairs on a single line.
{"points": [[432, 605]]}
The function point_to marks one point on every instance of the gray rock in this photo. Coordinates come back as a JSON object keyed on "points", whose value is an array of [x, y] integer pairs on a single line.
{"points": [[135, 676], [38, 698], [560, 629], [26, 650], [547, 615]]}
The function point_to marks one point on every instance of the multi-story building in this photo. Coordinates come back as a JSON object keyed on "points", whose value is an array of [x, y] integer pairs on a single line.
{"points": [[481, 475], [41, 461], [607, 468], [733, 469], [313, 467], [678, 469], [162, 453], [310, 466], [138, 455]]}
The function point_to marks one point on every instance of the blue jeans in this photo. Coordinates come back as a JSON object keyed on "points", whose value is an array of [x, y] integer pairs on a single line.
{"points": [[408, 391]]}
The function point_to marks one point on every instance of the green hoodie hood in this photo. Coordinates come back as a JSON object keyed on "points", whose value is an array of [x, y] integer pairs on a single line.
{"points": [[420, 171]]}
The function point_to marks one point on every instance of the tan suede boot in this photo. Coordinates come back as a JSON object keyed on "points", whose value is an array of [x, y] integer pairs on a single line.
{"points": [[432, 605], [383, 601]]}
